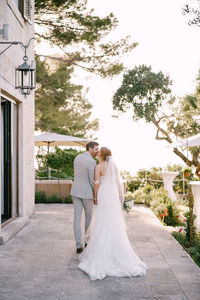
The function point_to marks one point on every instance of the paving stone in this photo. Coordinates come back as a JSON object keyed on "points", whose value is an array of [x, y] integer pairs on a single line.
{"points": [[40, 262]]}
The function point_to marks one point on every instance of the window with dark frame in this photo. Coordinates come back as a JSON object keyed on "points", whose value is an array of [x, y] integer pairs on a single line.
{"points": [[25, 8]]}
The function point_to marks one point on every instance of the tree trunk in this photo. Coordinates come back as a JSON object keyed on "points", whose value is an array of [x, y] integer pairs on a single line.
{"points": [[191, 216]]}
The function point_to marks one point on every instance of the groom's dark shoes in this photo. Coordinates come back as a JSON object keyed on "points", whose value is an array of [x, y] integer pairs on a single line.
{"points": [[85, 245], [79, 250]]}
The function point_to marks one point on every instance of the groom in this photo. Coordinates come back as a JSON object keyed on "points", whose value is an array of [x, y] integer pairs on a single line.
{"points": [[82, 190]]}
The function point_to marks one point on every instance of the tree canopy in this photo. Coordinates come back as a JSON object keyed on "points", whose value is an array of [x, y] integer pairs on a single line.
{"points": [[149, 95], [61, 106], [192, 9], [144, 90], [81, 35]]}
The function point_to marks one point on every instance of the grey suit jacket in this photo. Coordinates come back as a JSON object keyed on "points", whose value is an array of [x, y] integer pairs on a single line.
{"points": [[83, 183]]}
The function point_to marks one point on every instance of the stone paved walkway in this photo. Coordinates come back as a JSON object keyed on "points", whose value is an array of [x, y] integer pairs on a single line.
{"points": [[40, 262]]}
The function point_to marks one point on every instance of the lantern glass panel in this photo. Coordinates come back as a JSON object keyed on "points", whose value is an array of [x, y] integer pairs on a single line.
{"points": [[25, 78]]}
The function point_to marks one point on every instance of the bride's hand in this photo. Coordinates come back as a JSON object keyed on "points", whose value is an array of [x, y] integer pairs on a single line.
{"points": [[95, 201]]}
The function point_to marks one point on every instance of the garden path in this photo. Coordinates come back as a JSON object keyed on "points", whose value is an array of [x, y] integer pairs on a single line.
{"points": [[40, 262]]}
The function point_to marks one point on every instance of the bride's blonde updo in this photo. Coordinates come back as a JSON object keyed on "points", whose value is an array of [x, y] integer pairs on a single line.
{"points": [[104, 152]]}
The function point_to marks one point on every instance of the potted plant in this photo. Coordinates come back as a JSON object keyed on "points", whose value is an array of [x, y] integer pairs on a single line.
{"points": [[187, 173]]}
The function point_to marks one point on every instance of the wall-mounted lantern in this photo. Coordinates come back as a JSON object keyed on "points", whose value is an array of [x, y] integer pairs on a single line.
{"points": [[25, 73], [25, 77]]}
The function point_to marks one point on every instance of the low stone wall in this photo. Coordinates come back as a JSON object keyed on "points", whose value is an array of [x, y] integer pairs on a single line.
{"points": [[61, 188]]}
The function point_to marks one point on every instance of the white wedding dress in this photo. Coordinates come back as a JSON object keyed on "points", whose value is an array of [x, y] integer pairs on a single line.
{"points": [[109, 252]]}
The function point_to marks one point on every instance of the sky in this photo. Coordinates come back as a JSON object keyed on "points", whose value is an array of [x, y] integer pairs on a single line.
{"points": [[168, 44]]}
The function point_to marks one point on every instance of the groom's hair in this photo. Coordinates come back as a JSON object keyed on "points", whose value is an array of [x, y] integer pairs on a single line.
{"points": [[91, 145]]}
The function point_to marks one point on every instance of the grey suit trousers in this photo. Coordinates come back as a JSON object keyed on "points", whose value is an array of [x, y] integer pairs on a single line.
{"points": [[79, 204]]}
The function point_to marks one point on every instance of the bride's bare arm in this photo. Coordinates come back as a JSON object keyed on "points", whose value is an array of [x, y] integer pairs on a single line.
{"points": [[96, 182]]}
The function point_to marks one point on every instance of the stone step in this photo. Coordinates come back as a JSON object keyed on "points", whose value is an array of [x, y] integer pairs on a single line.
{"points": [[12, 228]]}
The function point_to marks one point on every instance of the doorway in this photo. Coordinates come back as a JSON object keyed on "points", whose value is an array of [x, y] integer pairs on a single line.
{"points": [[5, 160], [9, 160]]}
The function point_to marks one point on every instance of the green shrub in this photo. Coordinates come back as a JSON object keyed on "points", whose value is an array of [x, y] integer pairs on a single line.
{"points": [[190, 230], [139, 196], [128, 196], [164, 208], [193, 251], [181, 238], [40, 197], [161, 195], [127, 201], [158, 208], [133, 185], [68, 199], [172, 216], [143, 195], [160, 202], [148, 189], [59, 159], [54, 199]]}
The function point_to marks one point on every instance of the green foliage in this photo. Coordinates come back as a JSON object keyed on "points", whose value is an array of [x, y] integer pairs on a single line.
{"points": [[193, 10], [158, 200], [69, 22], [143, 90], [142, 178], [148, 189], [184, 118], [147, 177], [54, 198], [180, 237], [68, 199], [171, 218], [141, 196], [133, 185], [41, 197], [178, 182], [132, 182], [78, 32], [60, 106], [193, 251], [149, 95], [61, 160], [42, 173], [128, 200], [187, 170], [154, 175], [190, 231]]}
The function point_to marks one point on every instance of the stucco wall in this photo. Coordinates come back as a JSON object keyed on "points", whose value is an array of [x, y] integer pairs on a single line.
{"points": [[61, 188]]}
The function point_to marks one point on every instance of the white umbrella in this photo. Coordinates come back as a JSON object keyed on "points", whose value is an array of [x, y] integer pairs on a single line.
{"points": [[54, 139], [189, 142]]}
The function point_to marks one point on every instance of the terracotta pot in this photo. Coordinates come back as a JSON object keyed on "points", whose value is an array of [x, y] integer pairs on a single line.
{"points": [[186, 174]]}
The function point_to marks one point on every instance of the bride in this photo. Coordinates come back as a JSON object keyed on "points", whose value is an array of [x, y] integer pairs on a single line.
{"points": [[109, 252]]}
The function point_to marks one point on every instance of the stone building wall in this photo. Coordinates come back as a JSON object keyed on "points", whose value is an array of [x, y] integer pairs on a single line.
{"points": [[19, 30]]}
